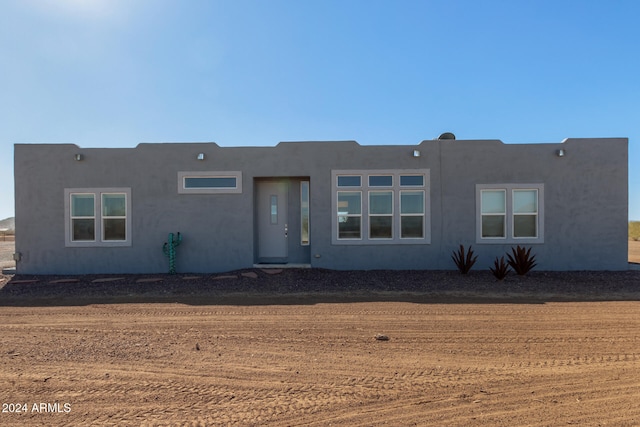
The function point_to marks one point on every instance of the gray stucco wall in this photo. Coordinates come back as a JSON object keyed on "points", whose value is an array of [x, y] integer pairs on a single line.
{"points": [[585, 203]]}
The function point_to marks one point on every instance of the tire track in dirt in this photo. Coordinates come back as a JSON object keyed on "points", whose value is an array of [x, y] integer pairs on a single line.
{"points": [[319, 365]]}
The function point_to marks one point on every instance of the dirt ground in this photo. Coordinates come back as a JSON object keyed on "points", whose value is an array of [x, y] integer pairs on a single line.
{"points": [[321, 364], [316, 361], [634, 251]]}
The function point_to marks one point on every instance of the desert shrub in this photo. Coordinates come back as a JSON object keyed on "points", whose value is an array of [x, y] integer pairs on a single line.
{"points": [[500, 268], [463, 261], [522, 261], [634, 230]]}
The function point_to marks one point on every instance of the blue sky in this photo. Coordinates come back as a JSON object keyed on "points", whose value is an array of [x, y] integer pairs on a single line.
{"points": [[114, 73]]}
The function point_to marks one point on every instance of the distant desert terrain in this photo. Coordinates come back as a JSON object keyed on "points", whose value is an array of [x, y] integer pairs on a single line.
{"points": [[634, 251]]}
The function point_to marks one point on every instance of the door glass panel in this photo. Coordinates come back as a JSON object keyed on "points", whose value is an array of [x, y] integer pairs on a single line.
{"points": [[274, 209]]}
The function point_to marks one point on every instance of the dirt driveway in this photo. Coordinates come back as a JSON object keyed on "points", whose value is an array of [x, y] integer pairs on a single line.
{"points": [[321, 364]]}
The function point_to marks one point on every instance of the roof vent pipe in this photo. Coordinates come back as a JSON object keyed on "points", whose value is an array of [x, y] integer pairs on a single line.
{"points": [[446, 135]]}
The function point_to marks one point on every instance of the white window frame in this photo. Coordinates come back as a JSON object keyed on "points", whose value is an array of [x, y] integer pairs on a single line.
{"points": [[98, 218], [365, 190], [183, 175], [509, 214]]}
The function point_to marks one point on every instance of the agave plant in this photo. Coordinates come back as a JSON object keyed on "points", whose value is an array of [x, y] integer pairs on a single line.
{"points": [[463, 261], [522, 261], [501, 268]]}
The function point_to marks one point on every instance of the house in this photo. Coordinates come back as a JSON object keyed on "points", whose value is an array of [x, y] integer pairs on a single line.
{"points": [[335, 205]]}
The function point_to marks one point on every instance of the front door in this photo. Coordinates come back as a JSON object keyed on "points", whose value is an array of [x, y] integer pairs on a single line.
{"points": [[273, 228]]}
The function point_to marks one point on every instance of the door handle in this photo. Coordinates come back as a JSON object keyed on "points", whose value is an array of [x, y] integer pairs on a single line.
{"points": [[286, 230]]}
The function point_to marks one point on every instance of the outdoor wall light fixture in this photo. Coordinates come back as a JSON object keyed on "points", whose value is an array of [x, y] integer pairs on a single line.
{"points": [[200, 156], [560, 153], [78, 157], [416, 153]]}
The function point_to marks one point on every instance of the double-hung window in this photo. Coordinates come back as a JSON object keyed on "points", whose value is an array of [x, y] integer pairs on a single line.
{"points": [[97, 217], [510, 213], [380, 207]]}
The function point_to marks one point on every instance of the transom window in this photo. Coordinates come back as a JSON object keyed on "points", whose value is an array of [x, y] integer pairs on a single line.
{"points": [[381, 207], [97, 217], [206, 182], [510, 213]]}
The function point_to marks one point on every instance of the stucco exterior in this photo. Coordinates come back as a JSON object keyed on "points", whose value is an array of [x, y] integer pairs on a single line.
{"points": [[581, 212]]}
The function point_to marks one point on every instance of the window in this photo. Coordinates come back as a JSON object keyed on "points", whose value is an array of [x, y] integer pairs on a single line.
{"points": [[380, 180], [304, 213], [381, 207], [525, 213], [83, 217], [97, 217], [381, 214], [210, 182], [494, 213], [205, 182], [412, 214], [114, 217], [510, 213], [349, 214]]}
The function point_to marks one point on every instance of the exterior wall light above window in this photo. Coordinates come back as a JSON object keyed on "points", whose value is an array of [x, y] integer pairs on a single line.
{"points": [[560, 153], [78, 157], [200, 156], [416, 153]]}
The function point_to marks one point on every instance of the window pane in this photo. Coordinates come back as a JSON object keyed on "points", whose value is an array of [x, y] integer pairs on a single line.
{"points": [[380, 180], [381, 203], [493, 201], [493, 226], [525, 201], [114, 229], [304, 212], [380, 227], [349, 181], [114, 205], [348, 227], [83, 230], [525, 226], [210, 182], [412, 202], [412, 227], [82, 205], [349, 203], [411, 180]]}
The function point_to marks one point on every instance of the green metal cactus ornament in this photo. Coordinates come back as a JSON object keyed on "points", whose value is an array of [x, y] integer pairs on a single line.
{"points": [[169, 249]]}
